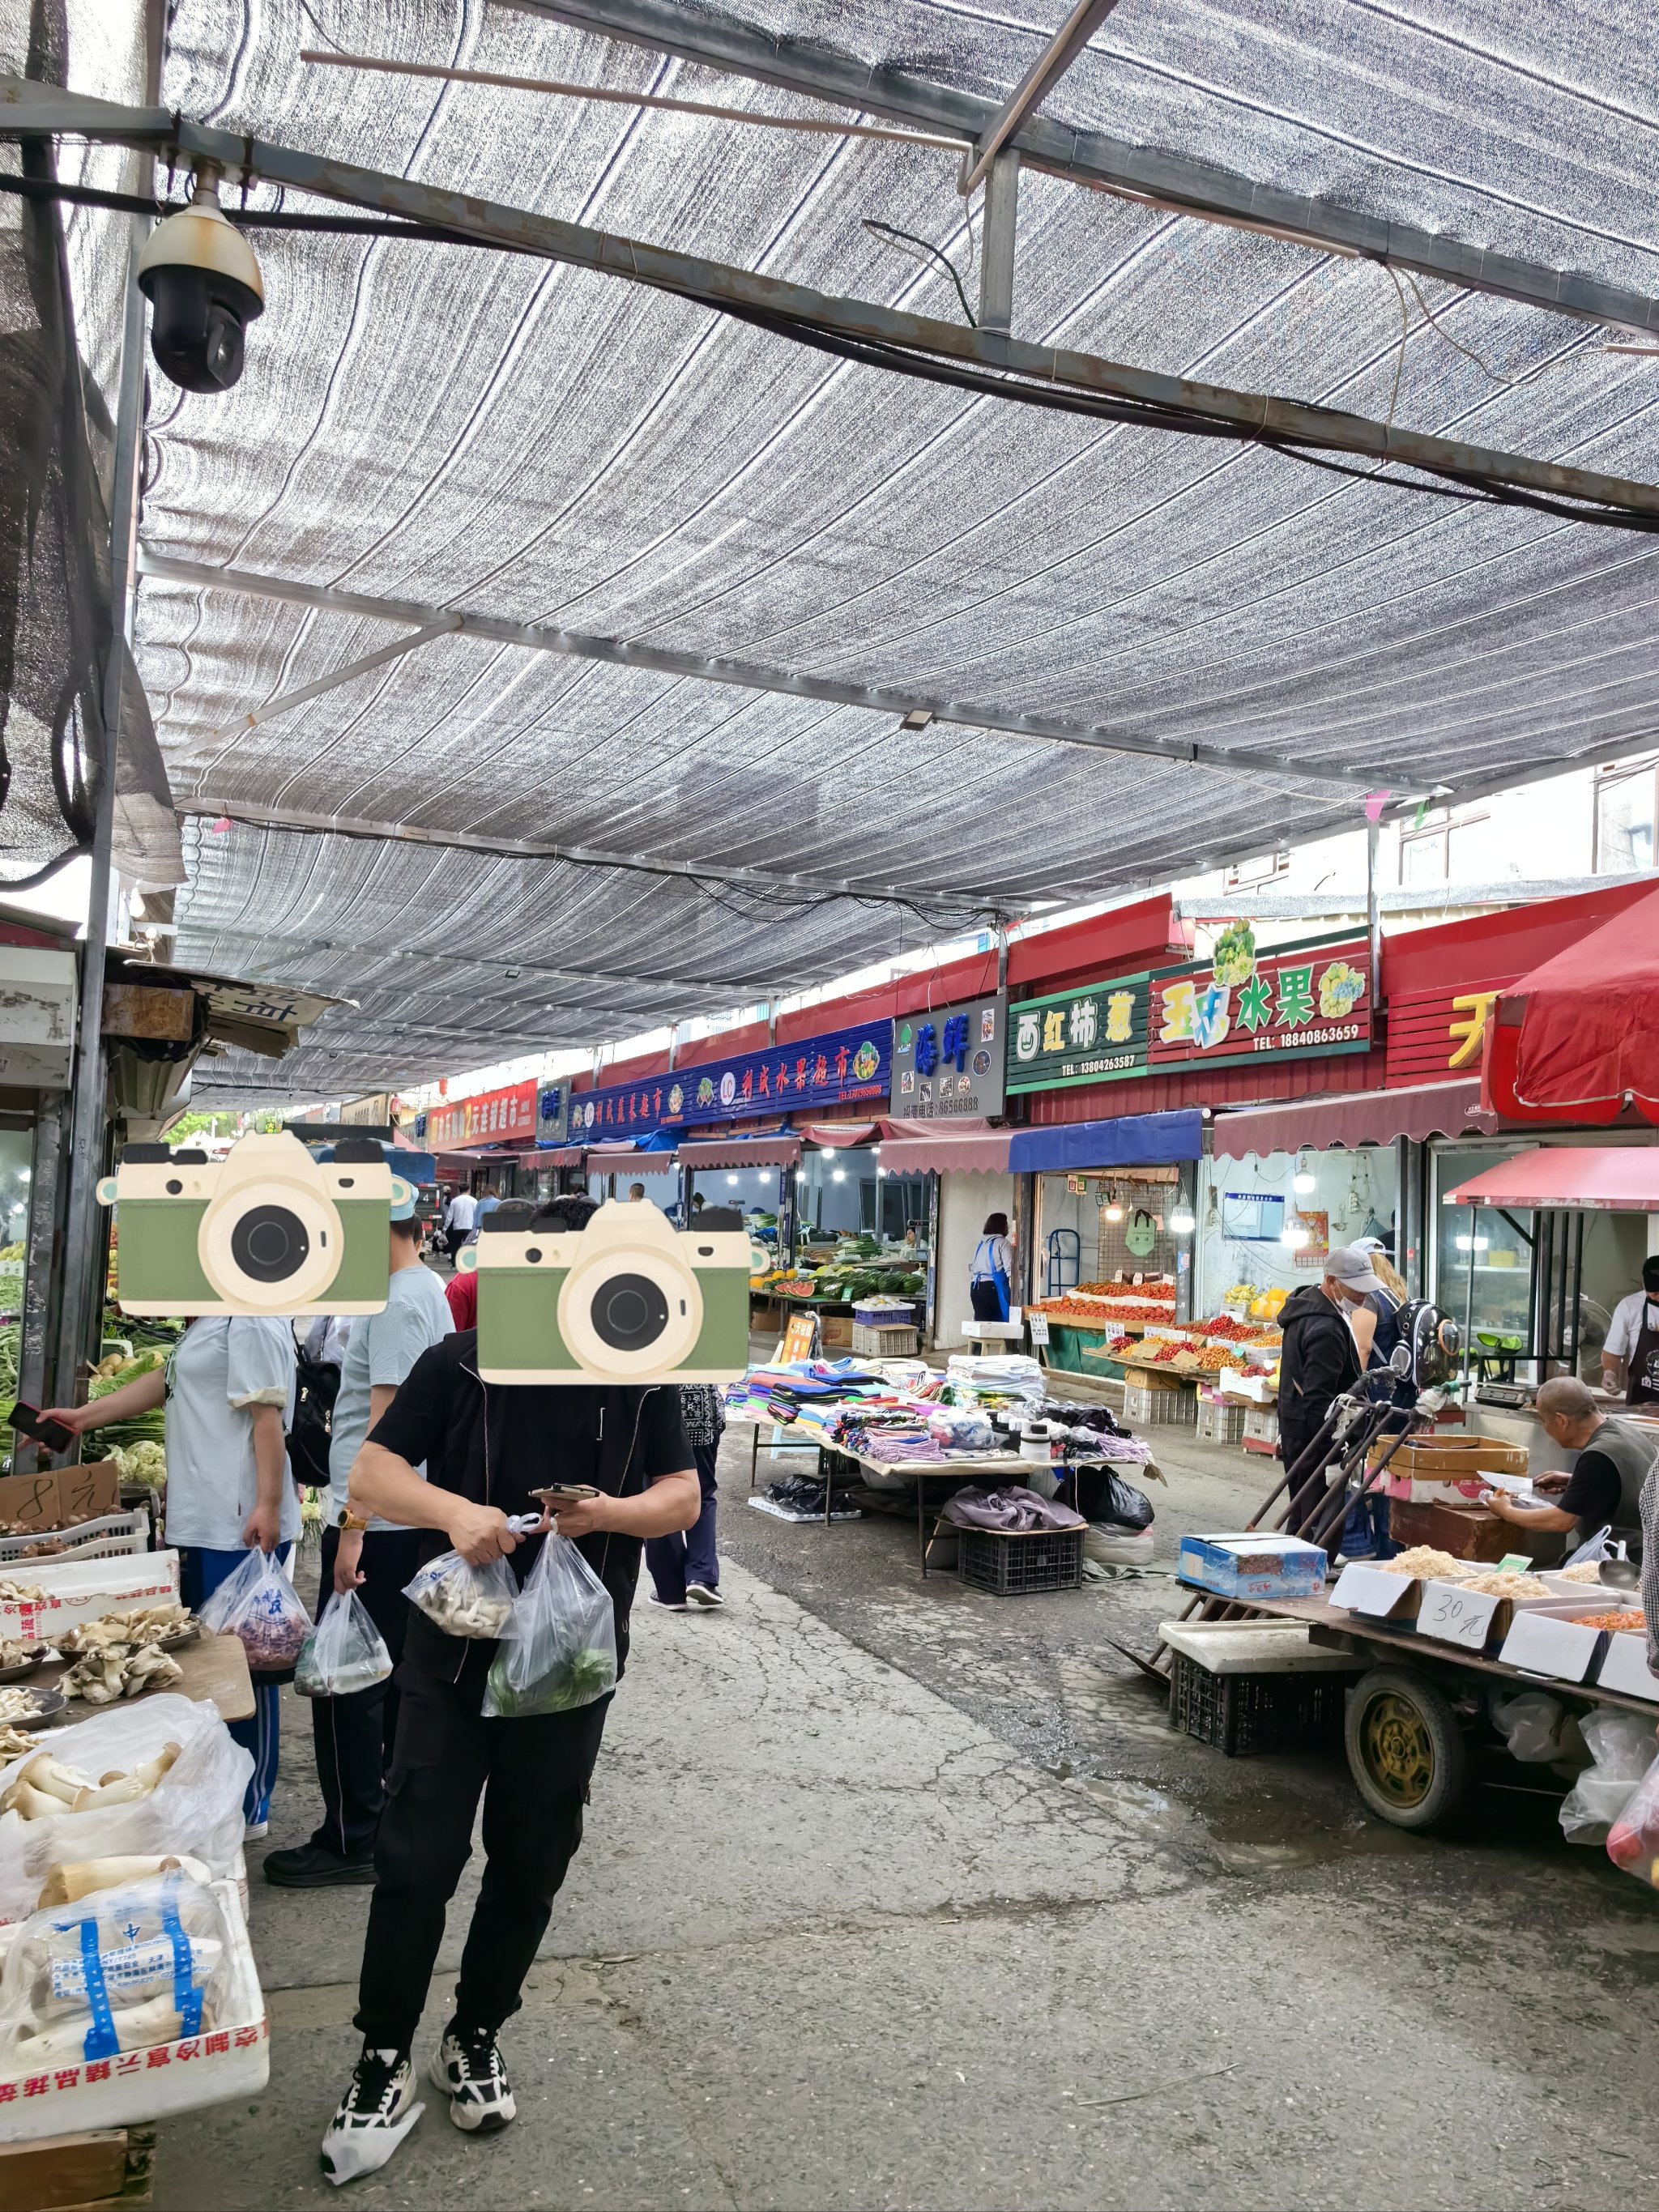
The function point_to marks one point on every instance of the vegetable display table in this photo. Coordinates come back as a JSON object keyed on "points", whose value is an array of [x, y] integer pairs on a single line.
{"points": [[213, 1667]]}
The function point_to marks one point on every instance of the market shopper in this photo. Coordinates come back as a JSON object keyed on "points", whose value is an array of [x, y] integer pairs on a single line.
{"points": [[353, 1736], [1605, 1487], [460, 1215], [229, 1390], [685, 1569], [1319, 1359], [1630, 1358], [485, 1448], [992, 1273]]}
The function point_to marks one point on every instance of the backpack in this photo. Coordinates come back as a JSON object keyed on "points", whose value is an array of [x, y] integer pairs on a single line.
{"points": [[317, 1386]]}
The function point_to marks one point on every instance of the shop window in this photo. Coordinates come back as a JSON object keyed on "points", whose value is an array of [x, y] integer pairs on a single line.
{"points": [[1423, 856], [1624, 816]]}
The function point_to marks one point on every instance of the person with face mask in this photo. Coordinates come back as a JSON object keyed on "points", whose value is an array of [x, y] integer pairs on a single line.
{"points": [[1630, 1358], [1319, 1360]]}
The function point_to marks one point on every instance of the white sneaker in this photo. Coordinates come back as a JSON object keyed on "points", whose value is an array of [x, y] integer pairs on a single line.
{"points": [[255, 1832], [468, 2068], [665, 1604], [699, 1594], [374, 2115]]}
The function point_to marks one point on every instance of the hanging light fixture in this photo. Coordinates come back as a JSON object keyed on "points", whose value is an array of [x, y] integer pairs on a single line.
{"points": [[1114, 1204], [1304, 1179], [1182, 1221]]}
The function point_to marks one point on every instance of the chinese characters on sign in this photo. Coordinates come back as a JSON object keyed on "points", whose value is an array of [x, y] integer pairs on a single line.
{"points": [[948, 1061], [785, 1079], [494, 1117], [1304, 998]]}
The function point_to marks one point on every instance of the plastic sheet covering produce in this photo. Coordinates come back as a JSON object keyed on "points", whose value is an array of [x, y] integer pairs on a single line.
{"points": [[120, 1970], [194, 1808]]}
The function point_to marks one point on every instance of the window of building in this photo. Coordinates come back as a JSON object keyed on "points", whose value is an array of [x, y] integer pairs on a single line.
{"points": [[1260, 868], [1625, 797], [1422, 855]]}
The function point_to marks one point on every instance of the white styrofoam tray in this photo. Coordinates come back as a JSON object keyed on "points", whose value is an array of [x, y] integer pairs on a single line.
{"points": [[1257, 1647], [74, 1590]]}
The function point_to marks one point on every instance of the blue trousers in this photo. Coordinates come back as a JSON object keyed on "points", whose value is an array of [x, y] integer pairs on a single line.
{"points": [[200, 1574], [689, 1556]]}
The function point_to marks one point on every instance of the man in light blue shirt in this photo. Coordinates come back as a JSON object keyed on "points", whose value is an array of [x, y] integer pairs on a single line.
{"points": [[354, 1734]]}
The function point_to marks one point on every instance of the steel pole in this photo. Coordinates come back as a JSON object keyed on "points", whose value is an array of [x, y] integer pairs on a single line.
{"points": [[83, 1240]]}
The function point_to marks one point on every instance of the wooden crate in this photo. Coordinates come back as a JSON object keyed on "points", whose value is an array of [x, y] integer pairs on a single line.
{"points": [[107, 2167]]}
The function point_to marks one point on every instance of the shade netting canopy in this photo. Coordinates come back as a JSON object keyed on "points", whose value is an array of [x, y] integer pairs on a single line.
{"points": [[490, 845]]}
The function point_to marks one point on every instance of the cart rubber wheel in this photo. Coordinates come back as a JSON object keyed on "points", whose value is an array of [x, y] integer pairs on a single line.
{"points": [[1405, 1750]]}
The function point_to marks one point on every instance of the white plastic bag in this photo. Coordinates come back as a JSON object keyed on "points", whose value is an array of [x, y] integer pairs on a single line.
{"points": [[1531, 1724], [563, 1652], [195, 1811], [258, 1604], [1598, 1546], [1622, 1746], [123, 1969], [345, 1652], [464, 1599], [1633, 1840]]}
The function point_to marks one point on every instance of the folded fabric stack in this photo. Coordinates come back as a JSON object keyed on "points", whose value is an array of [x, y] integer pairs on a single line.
{"points": [[895, 1448], [1015, 1371], [1009, 1507]]}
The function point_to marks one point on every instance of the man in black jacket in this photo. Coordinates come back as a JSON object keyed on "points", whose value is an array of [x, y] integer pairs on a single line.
{"points": [[485, 1449], [1317, 1361]]}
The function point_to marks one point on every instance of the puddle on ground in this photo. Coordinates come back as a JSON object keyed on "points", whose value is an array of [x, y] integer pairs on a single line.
{"points": [[1246, 1832]]}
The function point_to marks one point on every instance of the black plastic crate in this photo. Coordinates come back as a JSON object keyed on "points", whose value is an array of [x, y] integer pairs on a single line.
{"points": [[1240, 1713], [1014, 1562]]}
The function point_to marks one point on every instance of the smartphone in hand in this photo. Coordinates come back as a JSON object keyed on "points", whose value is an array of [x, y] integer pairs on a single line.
{"points": [[26, 1420]]}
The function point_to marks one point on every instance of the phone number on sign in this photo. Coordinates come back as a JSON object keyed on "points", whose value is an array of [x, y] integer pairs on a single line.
{"points": [[1299, 1040]]}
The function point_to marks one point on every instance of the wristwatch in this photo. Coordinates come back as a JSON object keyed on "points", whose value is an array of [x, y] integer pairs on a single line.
{"points": [[353, 1522]]}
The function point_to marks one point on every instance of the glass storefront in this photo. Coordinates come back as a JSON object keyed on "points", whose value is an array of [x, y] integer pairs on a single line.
{"points": [[1256, 1227], [1537, 1290], [757, 1193], [844, 1194], [1091, 1228]]}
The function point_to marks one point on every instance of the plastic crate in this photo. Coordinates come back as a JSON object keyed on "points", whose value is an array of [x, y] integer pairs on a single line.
{"points": [[1219, 1423], [1242, 1713], [873, 1343], [1261, 1431], [1015, 1562], [1175, 1407], [888, 1314], [111, 1538]]}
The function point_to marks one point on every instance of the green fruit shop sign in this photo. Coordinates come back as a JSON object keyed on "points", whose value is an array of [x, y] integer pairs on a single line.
{"points": [[1309, 999]]}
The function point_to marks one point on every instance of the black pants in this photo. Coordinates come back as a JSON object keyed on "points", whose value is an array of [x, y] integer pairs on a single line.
{"points": [[1312, 1483], [454, 1238], [986, 1301], [533, 1776], [354, 1736]]}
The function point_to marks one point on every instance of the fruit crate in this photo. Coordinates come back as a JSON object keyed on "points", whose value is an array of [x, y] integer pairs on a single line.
{"points": [[1244, 1713], [1154, 1405], [870, 1342], [1018, 1562], [1220, 1421]]}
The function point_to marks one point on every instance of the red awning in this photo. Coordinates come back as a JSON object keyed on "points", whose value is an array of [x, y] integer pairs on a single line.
{"points": [[1578, 1037], [774, 1152], [610, 1159], [1608, 1178], [837, 1135], [1363, 1117], [558, 1156], [970, 1147]]}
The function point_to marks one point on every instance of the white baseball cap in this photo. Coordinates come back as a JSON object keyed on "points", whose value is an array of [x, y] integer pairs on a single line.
{"points": [[1352, 1266]]}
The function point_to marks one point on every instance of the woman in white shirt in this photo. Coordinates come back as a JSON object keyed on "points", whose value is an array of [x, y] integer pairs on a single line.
{"points": [[228, 1389]]}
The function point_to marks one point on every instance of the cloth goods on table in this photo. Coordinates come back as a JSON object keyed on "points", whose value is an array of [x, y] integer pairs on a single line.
{"points": [[1010, 1507]]}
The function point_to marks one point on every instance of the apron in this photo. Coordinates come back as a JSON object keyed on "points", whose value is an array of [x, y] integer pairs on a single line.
{"points": [[986, 1270], [1642, 1389]]}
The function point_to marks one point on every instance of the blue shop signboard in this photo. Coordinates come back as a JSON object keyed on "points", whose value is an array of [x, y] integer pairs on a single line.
{"points": [[837, 1070]]}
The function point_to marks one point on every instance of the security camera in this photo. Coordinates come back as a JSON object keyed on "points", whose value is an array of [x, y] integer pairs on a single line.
{"points": [[204, 285]]}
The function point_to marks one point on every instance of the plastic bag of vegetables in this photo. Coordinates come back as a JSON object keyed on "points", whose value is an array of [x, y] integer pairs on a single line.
{"points": [[564, 1649]]}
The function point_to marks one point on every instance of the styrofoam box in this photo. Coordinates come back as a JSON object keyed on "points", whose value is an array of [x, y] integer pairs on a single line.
{"points": [[85, 1589], [231, 2060], [1376, 1593], [1547, 1639], [1624, 1664]]}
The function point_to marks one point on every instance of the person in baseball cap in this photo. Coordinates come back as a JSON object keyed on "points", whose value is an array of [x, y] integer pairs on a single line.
{"points": [[1318, 1360]]}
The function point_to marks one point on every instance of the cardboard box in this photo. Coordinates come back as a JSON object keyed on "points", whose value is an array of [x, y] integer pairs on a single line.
{"points": [[1376, 1593], [37, 1504], [1624, 1665], [1256, 1564], [74, 1591], [1449, 1457], [1548, 1640]]}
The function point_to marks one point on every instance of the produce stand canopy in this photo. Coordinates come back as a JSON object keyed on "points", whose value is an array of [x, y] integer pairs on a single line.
{"points": [[491, 434], [1132, 1140], [1588, 1034], [1606, 1178], [1362, 1117]]}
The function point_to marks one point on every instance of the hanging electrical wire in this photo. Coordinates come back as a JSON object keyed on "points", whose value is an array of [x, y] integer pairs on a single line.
{"points": [[918, 249]]}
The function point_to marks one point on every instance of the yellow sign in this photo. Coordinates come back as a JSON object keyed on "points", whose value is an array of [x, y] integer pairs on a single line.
{"points": [[1476, 1007]]}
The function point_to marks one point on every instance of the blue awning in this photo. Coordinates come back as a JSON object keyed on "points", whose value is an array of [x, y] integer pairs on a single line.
{"points": [[1132, 1140]]}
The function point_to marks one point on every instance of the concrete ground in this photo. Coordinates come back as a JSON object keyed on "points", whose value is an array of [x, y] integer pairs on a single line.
{"points": [[895, 1895]]}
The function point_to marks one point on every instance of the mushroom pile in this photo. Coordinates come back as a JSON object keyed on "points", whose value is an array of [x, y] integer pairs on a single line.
{"points": [[45, 1787]]}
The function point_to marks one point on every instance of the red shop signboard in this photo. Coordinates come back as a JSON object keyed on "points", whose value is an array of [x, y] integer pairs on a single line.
{"points": [[494, 1117]]}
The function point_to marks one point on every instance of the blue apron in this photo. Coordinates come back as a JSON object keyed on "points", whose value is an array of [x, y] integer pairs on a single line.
{"points": [[990, 1272]]}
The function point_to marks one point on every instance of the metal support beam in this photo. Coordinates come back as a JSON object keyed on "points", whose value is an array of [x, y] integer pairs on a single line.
{"points": [[439, 628], [82, 1296], [713, 39], [31, 110], [996, 246], [1051, 65], [217, 807], [698, 668]]}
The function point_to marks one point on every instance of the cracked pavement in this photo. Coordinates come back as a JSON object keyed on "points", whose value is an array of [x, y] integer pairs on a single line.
{"points": [[896, 1894]]}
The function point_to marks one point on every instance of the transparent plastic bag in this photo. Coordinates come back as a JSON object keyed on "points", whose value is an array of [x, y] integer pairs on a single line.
{"points": [[1530, 1725], [1622, 1746], [562, 1653], [345, 1652], [464, 1599], [260, 1605], [1633, 1839], [195, 1810], [145, 1963]]}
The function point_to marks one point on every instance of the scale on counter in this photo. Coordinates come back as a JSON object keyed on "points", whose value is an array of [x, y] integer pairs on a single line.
{"points": [[1503, 1394]]}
